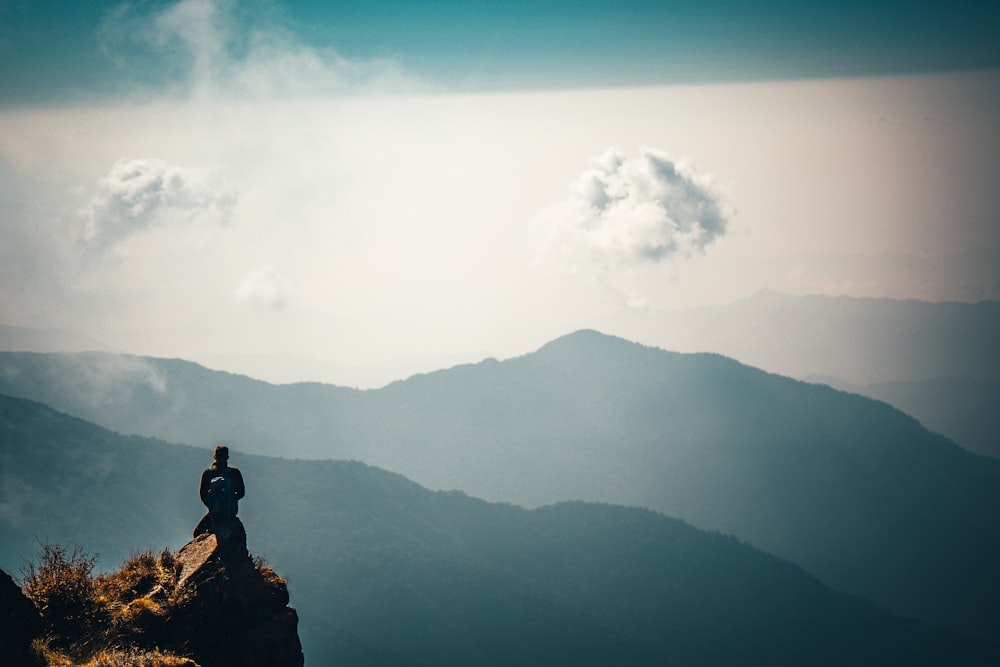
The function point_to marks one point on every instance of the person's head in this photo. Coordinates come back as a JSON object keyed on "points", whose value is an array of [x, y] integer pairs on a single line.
{"points": [[221, 454]]}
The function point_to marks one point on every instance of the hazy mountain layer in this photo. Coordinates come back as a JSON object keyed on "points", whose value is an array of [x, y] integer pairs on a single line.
{"points": [[935, 361], [859, 340], [965, 410], [384, 572], [855, 491]]}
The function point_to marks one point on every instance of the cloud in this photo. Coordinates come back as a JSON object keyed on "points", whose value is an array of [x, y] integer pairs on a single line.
{"points": [[626, 213], [140, 194], [103, 378], [218, 48], [97, 379], [266, 288]]}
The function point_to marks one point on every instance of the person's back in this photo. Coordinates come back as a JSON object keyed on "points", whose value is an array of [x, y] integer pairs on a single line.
{"points": [[220, 490], [221, 503]]}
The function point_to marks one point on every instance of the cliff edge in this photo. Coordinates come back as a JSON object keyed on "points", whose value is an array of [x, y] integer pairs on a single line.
{"points": [[210, 604]]}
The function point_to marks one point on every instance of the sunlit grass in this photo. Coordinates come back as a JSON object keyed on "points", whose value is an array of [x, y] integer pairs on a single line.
{"points": [[89, 620], [129, 657]]}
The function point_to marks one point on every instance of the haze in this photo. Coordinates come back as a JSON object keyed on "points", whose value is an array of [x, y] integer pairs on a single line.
{"points": [[290, 191]]}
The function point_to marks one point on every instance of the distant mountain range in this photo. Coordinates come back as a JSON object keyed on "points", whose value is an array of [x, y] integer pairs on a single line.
{"points": [[385, 572], [849, 488], [965, 409], [859, 340], [936, 361]]}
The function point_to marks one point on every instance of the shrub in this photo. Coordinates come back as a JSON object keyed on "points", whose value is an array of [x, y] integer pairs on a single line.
{"points": [[86, 617], [62, 588]]}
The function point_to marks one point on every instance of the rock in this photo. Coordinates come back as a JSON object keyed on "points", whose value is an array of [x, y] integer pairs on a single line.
{"points": [[194, 555], [19, 625], [227, 611]]}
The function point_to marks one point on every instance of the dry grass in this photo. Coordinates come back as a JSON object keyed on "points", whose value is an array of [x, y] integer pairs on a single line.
{"points": [[139, 586], [128, 657], [86, 617], [269, 575], [134, 658]]}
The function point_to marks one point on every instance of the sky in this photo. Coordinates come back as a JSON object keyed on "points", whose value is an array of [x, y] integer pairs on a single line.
{"points": [[298, 190]]}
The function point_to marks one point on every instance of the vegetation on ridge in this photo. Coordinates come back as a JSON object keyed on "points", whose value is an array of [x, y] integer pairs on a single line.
{"points": [[93, 621], [108, 620]]}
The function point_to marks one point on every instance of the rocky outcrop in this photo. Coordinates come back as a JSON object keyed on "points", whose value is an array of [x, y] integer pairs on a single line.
{"points": [[227, 610], [209, 605], [19, 624]]}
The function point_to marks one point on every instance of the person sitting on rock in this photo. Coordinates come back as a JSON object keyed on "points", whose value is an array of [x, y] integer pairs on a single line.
{"points": [[221, 490]]}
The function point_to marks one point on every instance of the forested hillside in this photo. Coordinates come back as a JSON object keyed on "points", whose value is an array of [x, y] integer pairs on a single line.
{"points": [[383, 571]]}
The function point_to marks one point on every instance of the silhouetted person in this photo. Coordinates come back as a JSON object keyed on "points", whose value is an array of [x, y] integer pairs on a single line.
{"points": [[221, 489]]}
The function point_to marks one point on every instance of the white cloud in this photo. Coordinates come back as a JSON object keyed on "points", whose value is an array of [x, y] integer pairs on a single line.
{"points": [[139, 194], [265, 287], [626, 213]]}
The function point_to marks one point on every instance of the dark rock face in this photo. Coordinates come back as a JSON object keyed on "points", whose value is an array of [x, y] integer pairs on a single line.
{"points": [[19, 624], [228, 611]]}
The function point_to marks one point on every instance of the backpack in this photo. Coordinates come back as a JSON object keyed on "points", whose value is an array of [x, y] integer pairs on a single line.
{"points": [[221, 501]]}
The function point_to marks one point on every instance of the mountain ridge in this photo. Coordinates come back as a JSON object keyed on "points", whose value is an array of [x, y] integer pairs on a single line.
{"points": [[848, 487], [384, 571]]}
